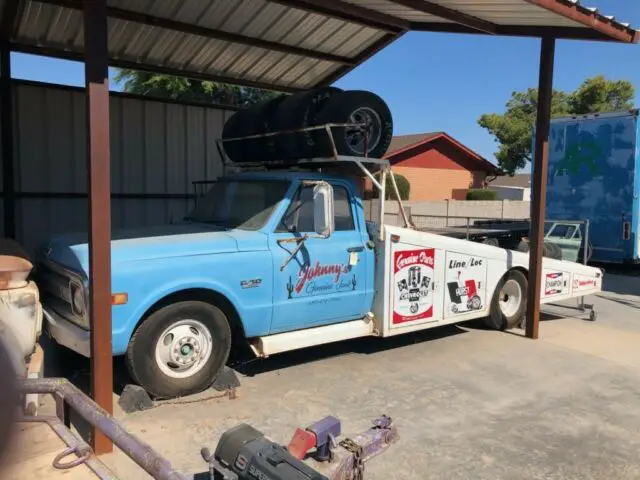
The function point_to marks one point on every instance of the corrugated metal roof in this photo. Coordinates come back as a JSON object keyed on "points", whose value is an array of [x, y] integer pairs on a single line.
{"points": [[500, 12], [284, 44], [398, 10]]}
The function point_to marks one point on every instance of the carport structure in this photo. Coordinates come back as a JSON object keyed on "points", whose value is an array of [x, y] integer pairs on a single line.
{"points": [[286, 45]]}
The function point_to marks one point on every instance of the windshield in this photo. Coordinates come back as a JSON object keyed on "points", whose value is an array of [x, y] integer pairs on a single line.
{"points": [[242, 204]]}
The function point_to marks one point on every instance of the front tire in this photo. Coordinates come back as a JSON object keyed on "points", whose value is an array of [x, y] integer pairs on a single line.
{"points": [[179, 349], [509, 302]]}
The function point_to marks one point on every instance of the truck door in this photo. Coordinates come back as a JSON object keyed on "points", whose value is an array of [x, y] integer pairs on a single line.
{"points": [[324, 282]]}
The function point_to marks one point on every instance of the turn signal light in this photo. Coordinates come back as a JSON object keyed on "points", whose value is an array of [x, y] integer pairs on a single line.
{"points": [[119, 298]]}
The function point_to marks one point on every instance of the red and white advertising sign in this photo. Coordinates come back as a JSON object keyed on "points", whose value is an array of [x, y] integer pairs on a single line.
{"points": [[581, 282], [553, 284], [466, 283], [413, 292]]}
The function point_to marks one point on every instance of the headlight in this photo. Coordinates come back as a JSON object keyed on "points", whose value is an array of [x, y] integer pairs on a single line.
{"points": [[77, 299]]}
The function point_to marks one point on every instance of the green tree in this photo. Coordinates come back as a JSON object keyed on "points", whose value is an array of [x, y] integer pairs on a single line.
{"points": [[188, 90], [512, 130], [404, 187]]}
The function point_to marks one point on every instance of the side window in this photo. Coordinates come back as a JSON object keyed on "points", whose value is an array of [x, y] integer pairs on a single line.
{"points": [[299, 215], [342, 209]]}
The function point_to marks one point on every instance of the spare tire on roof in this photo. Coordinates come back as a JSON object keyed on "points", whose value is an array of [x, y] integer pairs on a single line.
{"points": [[358, 107], [300, 111], [254, 120], [236, 126], [265, 113]]}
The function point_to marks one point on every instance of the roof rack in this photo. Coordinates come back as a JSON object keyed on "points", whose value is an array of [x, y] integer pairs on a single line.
{"points": [[310, 162]]}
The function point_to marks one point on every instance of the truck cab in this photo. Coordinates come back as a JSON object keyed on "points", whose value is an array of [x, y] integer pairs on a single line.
{"points": [[245, 262]]}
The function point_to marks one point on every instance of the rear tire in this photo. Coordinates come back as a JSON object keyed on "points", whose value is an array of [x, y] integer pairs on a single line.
{"points": [[509, 302], [552, 251], [180, 349], [549, 250], [491, 241]]}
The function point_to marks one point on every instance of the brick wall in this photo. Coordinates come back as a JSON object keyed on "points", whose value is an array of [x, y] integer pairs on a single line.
{"points": [[438, 170], [439, 183]]}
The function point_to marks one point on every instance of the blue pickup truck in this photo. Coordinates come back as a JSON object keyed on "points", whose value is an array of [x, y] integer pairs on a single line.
{"points": [[280, 260]]}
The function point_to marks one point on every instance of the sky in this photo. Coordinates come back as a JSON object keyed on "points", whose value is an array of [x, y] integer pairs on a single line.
{"points": [[444, 82]]}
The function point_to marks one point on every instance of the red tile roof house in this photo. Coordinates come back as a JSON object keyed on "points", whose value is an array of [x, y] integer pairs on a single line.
{"points": [[437, 166]]}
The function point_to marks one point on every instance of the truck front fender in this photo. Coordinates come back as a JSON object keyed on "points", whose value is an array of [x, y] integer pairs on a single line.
{"points": [[132, 318]]}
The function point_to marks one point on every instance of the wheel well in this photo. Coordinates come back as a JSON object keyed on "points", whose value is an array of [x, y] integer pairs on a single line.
{"points": [[203, 295], [522, 270]]}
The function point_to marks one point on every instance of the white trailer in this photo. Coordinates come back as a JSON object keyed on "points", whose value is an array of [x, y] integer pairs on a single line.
{"points": [[425, 280]]}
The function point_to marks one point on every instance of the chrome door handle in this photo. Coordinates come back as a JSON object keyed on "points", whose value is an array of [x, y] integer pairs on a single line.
{"points": [[355, 249]]}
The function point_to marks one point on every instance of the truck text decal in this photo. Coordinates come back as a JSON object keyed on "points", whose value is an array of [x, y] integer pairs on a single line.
{"points": [[309, 273], [321, 280]]}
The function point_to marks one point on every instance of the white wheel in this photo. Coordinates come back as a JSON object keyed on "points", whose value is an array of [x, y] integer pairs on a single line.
{"points": [[510, 297], [183, 349], [179, 349], [509, 302]]}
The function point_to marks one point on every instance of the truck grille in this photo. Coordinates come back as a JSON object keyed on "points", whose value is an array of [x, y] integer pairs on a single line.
{"points": [[56, 290]]}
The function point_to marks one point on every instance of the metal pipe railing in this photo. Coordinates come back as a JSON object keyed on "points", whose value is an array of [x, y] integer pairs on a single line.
{"points": [[65, 392]]}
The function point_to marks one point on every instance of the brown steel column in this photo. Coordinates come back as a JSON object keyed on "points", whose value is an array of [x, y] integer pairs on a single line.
{"points": [[6, 133], [97, 91], [540, 166]]}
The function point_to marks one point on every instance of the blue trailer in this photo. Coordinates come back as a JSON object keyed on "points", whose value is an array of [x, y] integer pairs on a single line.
{"points": [[594, 174]]}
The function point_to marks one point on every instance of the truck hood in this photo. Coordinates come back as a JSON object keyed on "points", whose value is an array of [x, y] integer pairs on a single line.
{"points": [[149, 243]]}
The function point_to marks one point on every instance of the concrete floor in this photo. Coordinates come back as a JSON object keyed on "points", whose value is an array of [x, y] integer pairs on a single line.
{"points": [[469, 403]]}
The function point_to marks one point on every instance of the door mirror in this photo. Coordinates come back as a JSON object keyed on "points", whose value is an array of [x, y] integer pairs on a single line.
{"points": [[323, 217]]}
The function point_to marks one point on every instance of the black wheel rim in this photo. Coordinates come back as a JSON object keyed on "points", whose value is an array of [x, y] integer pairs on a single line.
{"points": [[367, 134]]}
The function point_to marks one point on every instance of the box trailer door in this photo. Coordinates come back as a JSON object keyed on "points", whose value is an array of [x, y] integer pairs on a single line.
{"points": [[591, 165]]}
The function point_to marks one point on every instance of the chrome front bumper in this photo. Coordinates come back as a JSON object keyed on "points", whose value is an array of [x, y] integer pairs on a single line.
{"points": [[67, 334]]}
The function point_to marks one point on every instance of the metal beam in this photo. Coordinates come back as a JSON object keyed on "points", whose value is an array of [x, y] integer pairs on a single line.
{"points": [[191, 29], [9, 18], [349, 12], [586, 17], [566, 33], [98, 160], [455, 16], [540, 167], [69, 55], [6, 136]]}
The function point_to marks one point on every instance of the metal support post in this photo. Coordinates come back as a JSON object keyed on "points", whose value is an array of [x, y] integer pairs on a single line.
{"points": [[6, 134], [540, 165], [97, 92]]}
